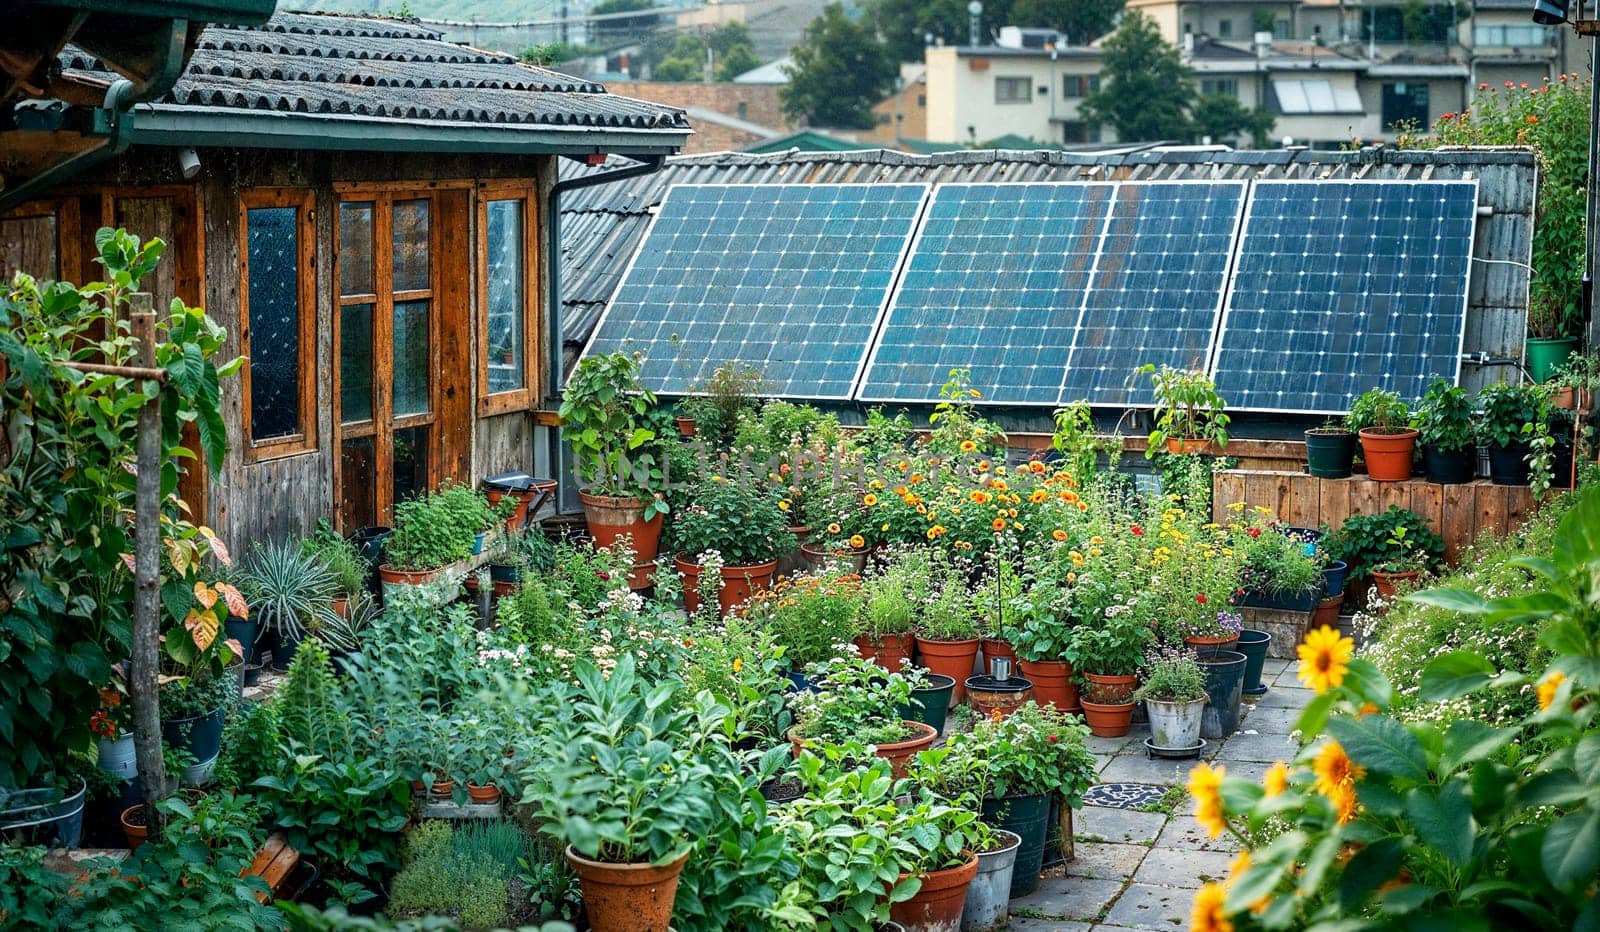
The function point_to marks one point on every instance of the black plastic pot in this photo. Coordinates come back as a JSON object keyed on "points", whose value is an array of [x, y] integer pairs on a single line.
{"points": [[1329, 453], [1508, 465], [1253, 644], [1027, 817], [1224, 672], [1302, 601], [245, 631], [1448, 467], [934, 699], [1561, 466], [369, 541], [505, 573]]}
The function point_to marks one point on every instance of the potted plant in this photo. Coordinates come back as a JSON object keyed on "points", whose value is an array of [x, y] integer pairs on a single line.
{"points": [[1001, 585], [886, 625], [945, 867], [1362, 542], [1510, 416], [989, 896], [741, 522], [290, 592], [1174, 695], [811, 616], [1042, 625], [604, 413], [1388, 442], [1009, 769], [1330, 450], [947, 633], [1406, 561], [1551, 339], [1107, 656], [618, 781], [1575, 382], [342, 560], [1444, 421], [1212, 630], [1190, 416], [721, 402], [433, 531], [857, 705], [1277, 570], [480, 753]]}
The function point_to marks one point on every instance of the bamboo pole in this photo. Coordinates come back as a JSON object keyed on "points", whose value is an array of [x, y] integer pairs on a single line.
{"points": [[143, 682]]}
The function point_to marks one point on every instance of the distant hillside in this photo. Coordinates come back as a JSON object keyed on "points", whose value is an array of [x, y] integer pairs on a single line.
{"points": [[488, 11]]}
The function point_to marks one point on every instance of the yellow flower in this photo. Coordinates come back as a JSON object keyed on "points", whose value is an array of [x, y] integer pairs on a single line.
{"points": [[922, 509], [876, 483], [1335, 771], [783, 505], [1207, 914], [885, 527], [967, 446], [1072, 577], [857, 541], [983, 466], [1344, 802], [869, 500], [1236, 869], [974, 393], [1205, 782], [1548, 687], [833, 528], [738, 664], [1097, 539], [1058, 534], [999, 485], [1076, 557], [1324, 659], [1277, 779]]}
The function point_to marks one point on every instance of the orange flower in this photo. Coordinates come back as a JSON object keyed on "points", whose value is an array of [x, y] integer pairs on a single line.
{"points": [[1548, 688], [1207, 914], [1038, 497], [999, 524], [1036, 467], [1058, 534], [967, 446], [869, 500], [857, 541]]}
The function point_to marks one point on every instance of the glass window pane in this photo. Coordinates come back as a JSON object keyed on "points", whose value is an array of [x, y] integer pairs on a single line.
{"points": [[411, 245], [358, 486], [410, 463], [28, 244], [355, 248], [505, 298], [273, 283], [355, 363], [410, 357]]}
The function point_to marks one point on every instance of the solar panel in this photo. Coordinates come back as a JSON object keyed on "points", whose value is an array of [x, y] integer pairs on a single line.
{"points": [[791, 279], [1342, 286], [1157, 288], [994, 283]]}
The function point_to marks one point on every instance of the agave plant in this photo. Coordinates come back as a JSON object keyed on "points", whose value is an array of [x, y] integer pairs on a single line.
{"points": [[289, 590]]}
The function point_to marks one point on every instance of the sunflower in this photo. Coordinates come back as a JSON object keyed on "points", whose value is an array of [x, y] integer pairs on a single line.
{"points": [[1334, 769], [1236, 869], [1277, 778], [1205, 782], [1548, 687], [1207, 914], [1058, 534], [1344, 802], [1324, 659]]}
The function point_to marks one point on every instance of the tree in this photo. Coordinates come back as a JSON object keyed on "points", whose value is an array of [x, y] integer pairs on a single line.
{"points": [[839, 72], [1224, 119], [1145, 88], [686, 61], [730, 49], [906, 24]]}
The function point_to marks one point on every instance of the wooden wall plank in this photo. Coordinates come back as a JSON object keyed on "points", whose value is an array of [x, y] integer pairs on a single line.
{"points": [[1427, 500], [1334, 501], [1227, 487], [1458, 521], [1491, 508]]}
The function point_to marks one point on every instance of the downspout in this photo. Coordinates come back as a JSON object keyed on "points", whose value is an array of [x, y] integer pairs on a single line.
{"points": [[648, 165]]}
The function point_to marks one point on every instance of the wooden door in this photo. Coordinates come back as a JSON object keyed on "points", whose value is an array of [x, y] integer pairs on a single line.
{"points": [[388, 326]]}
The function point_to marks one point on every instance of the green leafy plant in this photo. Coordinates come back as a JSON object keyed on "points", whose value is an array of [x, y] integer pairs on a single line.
{"points": [[1378, 409], [856, 703], [1080, 447], [810, 615], [956, 426], [604, 409], [1363, 541], [1034, 750], [1271, 559], [1445, 418], [1113, 648], [465, 872], [1509, 413], [739, 520], [339, 556], [1172, 674], [441, 527], [289, 588], [731, 394], [1188, 408]]}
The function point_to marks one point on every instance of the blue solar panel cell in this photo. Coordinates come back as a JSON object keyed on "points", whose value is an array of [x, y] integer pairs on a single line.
{"points": [[1157, 287], [1342, 286], [995, 283], [791, 279]]}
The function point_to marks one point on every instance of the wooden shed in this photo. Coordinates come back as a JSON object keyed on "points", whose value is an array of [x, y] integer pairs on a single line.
{"points": [[364, 207]]}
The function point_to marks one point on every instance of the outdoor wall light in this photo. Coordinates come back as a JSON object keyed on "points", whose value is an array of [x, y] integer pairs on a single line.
{"points": [[1549, 12], [188, 163]]}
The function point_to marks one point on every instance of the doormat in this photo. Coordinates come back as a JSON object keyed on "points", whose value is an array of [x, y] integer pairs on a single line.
{"points": [[1123, 795]]}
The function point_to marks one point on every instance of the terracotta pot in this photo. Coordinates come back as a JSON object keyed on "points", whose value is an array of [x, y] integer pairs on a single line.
{"points": [[627, 897], [341, 606], [1573, 399], [891, 651], [1110, 690], [998, 647], [686, 426], [136, 834], [1207, 644], [739, 583], [1387, 583], [519, 516], [505, 587], [1177, 445], [443, 787], [816, 556], [611, 517], [418, 788], [937, 905], [483, 794], [952, 658], [1052, 684], [1110, 720], [393, 577], [989, 696], [1387, 452], [1327, 612], [898, 753]]}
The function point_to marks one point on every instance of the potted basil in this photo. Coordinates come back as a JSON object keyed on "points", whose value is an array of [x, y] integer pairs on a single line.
{"points": [[1444, 422]]}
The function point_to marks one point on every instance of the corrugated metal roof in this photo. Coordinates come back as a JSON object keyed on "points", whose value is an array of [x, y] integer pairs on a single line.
{"points": [[601, 226], [364, 68]]}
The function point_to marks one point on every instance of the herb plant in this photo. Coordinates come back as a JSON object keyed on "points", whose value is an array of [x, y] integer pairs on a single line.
{"points": [[1363, 540], [1188, 407], [1509, 413], [1380, 410], [810, 615], [1445, 418], [1172, 674], [1034, 750], [740, 520], [856, 703]]}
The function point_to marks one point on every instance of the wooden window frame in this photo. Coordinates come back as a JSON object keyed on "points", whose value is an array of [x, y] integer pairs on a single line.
{"points": [[517, 399], [383, 298], [304, 201]]}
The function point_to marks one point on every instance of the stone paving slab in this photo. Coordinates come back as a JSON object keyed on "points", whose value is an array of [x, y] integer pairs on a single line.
{"points": [[1148, 906], [1188, 869], [1118, 825], [1272, 666], [1285, 697], [1270, 720], [1184, 832], [1024, 924], [1082, 898], [1105, 860], [1137, 768], [1257, 747]]}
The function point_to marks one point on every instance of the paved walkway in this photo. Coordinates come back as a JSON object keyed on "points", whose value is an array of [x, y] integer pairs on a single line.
{"points": [[1139, 870]]}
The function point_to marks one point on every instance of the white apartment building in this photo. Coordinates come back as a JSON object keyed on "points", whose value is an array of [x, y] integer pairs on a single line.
{"points": [[979, 93]]}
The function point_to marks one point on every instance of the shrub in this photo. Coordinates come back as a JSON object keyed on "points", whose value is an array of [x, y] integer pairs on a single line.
{"points": [[1367, 542], [810, 615], [1510, 413], [740, 519], [439, 528], [1033, 750], [856, 702], [464, 871]]}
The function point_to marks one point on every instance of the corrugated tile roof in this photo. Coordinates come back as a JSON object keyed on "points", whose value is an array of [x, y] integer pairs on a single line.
{"points": [[363, 68], [601, 226]]}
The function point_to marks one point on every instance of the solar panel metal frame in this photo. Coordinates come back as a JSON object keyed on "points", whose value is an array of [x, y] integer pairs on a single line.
{"points": [[1235, 240], [916, 238], [1116, 187], [1466, 291], [868, 346]]}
